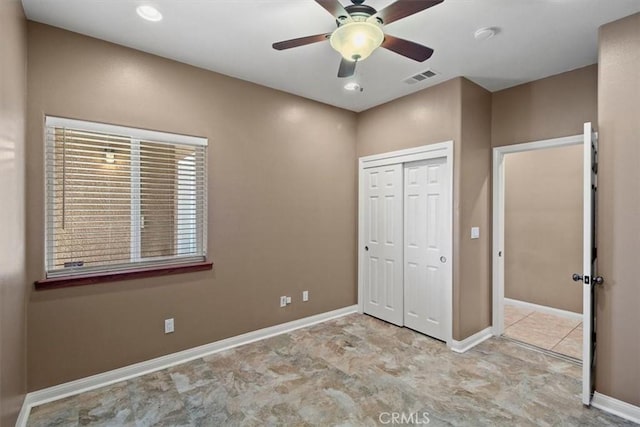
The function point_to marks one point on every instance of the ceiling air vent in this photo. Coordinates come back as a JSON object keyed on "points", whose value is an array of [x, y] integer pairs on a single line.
{"points": [[420, 77]]}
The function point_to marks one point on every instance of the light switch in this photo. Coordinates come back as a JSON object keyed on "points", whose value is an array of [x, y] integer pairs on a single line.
{"points": [[475, 232]]}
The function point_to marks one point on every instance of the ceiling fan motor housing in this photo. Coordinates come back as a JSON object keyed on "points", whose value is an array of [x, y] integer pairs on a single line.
{"points": [[360, 9], [360, 12]]}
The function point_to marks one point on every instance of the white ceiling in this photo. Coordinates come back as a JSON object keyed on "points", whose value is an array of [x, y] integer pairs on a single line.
{"points": [[537, 38]]}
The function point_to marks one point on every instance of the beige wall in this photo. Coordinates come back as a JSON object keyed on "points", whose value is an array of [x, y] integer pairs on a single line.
{"points": [[617, 314], [426, 117], [473, 296], [282, 207], [13, 97], [543, 227], [548, 108], [455, 110]]}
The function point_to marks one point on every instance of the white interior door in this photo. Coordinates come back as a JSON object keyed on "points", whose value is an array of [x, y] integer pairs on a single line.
{"points": [[425, 235], [383, 281], [588, 277]]}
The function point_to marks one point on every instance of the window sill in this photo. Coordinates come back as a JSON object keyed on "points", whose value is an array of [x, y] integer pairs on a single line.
{"points": [[141, 273]]}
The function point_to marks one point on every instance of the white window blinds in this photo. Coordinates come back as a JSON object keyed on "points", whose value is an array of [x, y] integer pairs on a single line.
{"points": [[122, 198]]}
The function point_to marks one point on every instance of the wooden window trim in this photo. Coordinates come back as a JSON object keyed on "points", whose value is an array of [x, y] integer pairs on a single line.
{"points": [[115, 276]]}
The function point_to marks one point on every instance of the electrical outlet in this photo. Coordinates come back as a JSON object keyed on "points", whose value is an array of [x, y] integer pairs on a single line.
{"points": [[288, 300], [305, 295], [168, 326], [283, 301]]}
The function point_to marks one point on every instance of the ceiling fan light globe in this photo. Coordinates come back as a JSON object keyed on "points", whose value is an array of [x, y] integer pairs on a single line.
{"points": [[355, 41]]}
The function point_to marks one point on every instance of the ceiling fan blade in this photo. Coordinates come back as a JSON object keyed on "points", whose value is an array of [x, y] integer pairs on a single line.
{"points": [[403, 8], [288, 44], [407, 48], [347, 68], [335, 8]]}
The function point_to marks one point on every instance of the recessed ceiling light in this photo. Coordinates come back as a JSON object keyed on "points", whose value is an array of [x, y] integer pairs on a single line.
{"points": [[149, 13], [353, 87], [485, 33]]}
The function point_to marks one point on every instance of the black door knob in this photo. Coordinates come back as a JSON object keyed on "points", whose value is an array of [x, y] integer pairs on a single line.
{"points": [[366, 248]]}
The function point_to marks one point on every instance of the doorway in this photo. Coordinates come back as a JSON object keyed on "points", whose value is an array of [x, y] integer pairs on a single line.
{"points": [[586, 276], [543, 248], [405, 238]]}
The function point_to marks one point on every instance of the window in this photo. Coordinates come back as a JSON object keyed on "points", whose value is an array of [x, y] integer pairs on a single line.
{"points": [[120, 198]]}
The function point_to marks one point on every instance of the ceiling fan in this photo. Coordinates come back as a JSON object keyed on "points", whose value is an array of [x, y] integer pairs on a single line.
{"points": [[360, 32]]}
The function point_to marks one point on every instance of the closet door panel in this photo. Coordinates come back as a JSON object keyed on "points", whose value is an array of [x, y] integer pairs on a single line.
{"points": [[383, 272], [425, 198]]}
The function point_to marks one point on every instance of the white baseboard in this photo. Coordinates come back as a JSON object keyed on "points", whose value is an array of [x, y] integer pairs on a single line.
{"points": [[472, 341], [544, 309], [24, 413], [61, 391], [616, 407]]}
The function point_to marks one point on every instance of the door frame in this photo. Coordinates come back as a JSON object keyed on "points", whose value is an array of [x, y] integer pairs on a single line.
{"points": [[425, 152], [497, 327]]}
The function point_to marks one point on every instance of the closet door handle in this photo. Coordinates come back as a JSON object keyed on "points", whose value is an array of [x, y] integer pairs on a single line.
{"points": [[443, 259]]}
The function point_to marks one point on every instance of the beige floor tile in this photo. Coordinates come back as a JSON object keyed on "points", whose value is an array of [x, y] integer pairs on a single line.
{"points": [[545, 330], [527, 334], [514, 314], [571, 345], [542, 324], [552, 320]]}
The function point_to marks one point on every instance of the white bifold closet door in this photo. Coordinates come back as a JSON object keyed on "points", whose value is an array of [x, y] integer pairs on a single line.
{"points": [[383, 239], [406, 209], [425, 246]]}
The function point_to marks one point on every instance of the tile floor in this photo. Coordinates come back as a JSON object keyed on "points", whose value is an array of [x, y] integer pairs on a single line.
{"points": [[355, 370], [544, 330]]}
